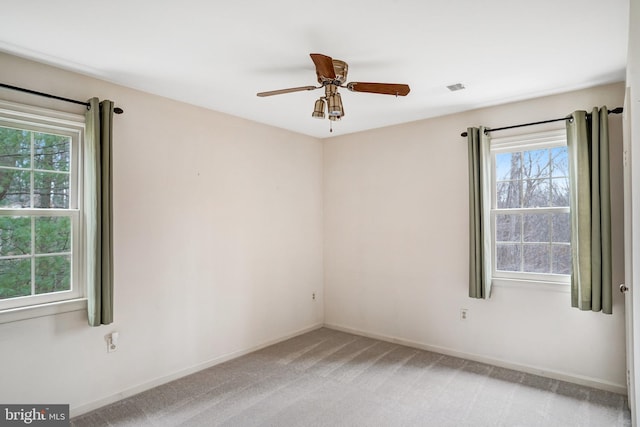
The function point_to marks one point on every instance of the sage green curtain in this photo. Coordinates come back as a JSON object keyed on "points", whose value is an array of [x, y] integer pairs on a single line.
{"points": [[479, 214], [98, 212], [590, 207]]}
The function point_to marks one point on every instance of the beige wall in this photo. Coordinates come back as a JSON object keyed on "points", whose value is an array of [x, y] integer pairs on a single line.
{"points": [[217, 232], [396, 254]]}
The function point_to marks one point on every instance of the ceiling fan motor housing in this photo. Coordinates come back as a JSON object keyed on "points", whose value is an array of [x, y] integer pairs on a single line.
{"points": [[341, 68]]}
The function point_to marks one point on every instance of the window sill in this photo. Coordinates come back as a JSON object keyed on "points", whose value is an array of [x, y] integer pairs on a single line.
{"points": [[49, 309], [564, 287]]}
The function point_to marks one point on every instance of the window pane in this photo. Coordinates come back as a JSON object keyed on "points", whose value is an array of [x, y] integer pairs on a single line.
{"points": [[15, 236], [51, 190], [536, 164], [15, 148], [15, 278], [15, 189], [537, 228], [53, 274], [536, 258], [53, 234], [559, 162], [508, 257], [560, 192], [508, 194], [51, 152], [508, 166], [561, 228], [561, 259], [536, 193], [508, 228]]}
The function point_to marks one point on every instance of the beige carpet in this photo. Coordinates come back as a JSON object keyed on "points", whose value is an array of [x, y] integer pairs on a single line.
{"points": [[330, 378]]}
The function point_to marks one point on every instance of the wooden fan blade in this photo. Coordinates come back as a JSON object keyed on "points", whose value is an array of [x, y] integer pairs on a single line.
{"points": [[324, 66], [292, 89], [383, 88]]}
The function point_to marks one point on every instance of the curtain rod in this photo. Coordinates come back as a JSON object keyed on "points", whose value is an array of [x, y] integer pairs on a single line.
{"points": [[116, 110], [614, 111]]}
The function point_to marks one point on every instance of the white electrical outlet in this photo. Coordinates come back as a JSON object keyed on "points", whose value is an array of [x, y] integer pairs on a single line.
{"points": [[112, 342], [464, 314], [313, 296]]}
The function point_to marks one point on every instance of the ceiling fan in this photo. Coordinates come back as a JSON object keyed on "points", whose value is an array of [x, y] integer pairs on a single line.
{"points": [[332, 74]]}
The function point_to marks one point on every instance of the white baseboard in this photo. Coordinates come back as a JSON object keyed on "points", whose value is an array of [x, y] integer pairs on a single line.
{"points": [[535, 370], [83, 409]]}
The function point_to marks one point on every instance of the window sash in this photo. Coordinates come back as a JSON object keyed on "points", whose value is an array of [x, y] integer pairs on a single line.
{"points": [[74, 133], [75, 288], [523, 275]]}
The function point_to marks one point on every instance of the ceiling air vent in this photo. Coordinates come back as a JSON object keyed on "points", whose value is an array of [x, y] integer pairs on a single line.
{"points": [[455, 87]]}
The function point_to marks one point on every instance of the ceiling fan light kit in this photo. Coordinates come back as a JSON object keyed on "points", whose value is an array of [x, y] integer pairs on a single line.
{"points": [[318, 109], [332, 74], [334, 102], [334, 106]]}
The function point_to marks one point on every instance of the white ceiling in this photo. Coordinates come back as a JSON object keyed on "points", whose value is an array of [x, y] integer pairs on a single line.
{"points": [[219, 54]]}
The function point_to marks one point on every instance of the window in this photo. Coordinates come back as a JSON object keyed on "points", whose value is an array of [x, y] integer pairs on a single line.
{"points": [[531, 231], [40, 215]]}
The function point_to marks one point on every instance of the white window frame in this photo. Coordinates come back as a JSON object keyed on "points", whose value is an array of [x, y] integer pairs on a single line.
{"points": [[525, 142], [67, 124]]}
